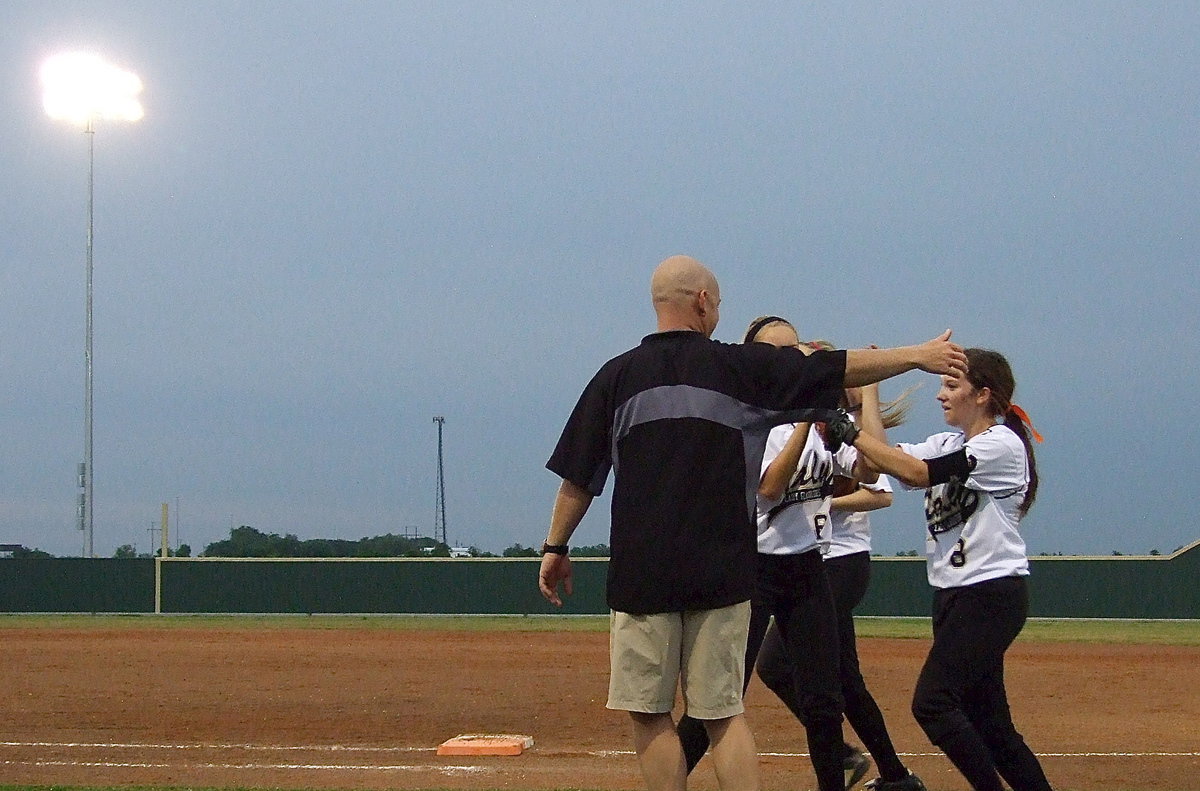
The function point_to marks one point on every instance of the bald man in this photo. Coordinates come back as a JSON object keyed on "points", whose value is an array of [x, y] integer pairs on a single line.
{"points": [[682, 421]]}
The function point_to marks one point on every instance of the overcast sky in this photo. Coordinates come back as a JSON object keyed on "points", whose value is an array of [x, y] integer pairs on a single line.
{"points": [[338, 220]]}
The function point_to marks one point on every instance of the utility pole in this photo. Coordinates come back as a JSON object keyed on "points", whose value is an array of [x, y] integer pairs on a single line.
{"points": [[439, 515]]}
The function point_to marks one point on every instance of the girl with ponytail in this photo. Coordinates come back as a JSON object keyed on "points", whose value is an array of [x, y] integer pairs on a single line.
{"points": [[980, 481]]}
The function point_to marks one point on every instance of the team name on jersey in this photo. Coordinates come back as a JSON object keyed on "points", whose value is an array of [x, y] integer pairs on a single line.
{"points": [[816, 473], [812, 481], [951, 506], [798, 496]]}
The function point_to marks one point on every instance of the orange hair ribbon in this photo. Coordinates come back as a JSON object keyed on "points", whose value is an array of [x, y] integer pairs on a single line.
{"points": [[1024, 416]]}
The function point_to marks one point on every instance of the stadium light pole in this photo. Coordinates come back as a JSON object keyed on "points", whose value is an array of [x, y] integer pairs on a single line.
{"points": [[82, 88]]}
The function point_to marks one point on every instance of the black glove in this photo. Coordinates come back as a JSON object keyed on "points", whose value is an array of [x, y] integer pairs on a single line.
{"points": [[840, 430]]}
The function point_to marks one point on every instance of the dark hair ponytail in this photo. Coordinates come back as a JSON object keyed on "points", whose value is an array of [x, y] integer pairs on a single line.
{"points": [[987, 368], [1021, 430]]}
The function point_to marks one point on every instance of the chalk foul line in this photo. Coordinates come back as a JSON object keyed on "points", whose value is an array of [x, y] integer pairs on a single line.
{"points": [[444, 769]]}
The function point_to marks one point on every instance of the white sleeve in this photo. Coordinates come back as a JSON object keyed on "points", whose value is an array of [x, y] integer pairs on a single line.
{"points": [[881, 485], [997, 460], [931, 448], [844, 461]]}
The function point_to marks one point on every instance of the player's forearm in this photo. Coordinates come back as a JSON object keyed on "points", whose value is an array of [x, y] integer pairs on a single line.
{"points": [[779, 472], [862, 499], [893, 461], [864, 472], [871, 424], [870, 419]]}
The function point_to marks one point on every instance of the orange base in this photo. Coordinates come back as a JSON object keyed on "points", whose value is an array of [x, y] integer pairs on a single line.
{"points": [[485, 744]]}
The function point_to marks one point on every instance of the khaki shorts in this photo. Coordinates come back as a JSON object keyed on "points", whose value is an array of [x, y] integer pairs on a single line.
{"points": [[704, 651]]}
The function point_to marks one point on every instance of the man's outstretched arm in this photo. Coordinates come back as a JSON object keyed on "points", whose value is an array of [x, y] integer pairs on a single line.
{"points": [[937, 356]]}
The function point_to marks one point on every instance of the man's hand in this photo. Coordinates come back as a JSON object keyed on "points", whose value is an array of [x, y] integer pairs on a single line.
{"points": [[937, 356], [570, 505], [555, 569], [940, 356], [839, 431]]}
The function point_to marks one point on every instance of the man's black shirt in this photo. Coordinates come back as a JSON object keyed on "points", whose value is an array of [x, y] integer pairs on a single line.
{"points": [[682, 421]]}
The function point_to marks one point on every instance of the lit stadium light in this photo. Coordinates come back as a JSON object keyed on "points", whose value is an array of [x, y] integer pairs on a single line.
{"points": [[81, 88]]}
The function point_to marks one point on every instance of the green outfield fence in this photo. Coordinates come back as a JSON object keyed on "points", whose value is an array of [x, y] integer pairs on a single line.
{"points": [[1060, 587]]}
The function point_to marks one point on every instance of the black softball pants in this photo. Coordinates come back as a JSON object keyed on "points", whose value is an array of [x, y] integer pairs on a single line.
{"points": [[849, 576], [795, 590], [960, 700]]}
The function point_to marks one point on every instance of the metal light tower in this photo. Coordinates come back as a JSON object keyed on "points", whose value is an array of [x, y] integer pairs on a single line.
{"points": [[439, 514], [86, 504], [82, 89]]}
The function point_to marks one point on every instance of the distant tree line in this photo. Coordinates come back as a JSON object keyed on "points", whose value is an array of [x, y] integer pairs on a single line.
{"points": [[246, 542], [130, 551], [19, 551], [520, 551]]}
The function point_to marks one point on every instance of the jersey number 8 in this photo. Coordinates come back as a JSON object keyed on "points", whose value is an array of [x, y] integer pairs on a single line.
{"points": [[958, 558]]}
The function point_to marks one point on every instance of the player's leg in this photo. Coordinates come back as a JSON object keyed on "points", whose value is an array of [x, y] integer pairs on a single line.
{"points": [[713, 677], [809, 632], [775, 592], [988, 708], [644, 657], [776, 671], [849, 576], [968, 643], [848, 584], [694, 738], [987, 704]]}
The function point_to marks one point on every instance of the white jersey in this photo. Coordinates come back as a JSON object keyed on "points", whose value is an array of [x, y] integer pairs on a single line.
{"points": [[799, 520], [972, 524], [850, 531]]}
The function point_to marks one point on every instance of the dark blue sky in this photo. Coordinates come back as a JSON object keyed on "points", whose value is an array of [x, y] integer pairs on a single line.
{"points": [[338, 220]]}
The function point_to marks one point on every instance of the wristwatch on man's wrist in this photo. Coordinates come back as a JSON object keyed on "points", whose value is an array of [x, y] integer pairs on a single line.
{"points": [[554, 549]]}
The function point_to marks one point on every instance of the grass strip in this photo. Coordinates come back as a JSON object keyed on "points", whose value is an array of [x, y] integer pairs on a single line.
{"points": [[1186, 633]]}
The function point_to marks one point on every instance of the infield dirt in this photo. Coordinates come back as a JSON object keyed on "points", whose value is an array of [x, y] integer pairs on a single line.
{"points": [[366, 708]]}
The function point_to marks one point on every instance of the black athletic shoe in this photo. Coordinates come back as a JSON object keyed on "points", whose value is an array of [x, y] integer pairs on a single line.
{"points": [[856, 765], [910, 783]]}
